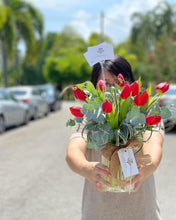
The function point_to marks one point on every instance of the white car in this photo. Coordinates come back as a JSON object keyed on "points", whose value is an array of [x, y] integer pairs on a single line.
{"points": [[32, 96], [168, 99], [51, 95], [12, 112]]}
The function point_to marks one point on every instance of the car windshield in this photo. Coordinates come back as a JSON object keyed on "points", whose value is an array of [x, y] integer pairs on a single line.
{"points": [[49, 91], [171, 91], [18, 92]]}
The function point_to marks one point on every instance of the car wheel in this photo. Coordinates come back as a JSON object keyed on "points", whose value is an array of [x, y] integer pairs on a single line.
{"points": [[35, 116], [169, 125], [47, 111], [2, 124], [26, 118], [57, 106]]}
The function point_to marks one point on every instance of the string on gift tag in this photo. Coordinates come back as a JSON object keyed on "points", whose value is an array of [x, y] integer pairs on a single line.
{"points": [[126, 157], [124, 150]]}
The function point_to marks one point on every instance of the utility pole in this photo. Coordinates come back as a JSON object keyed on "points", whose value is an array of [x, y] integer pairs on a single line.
{"points": [[101, 27]]}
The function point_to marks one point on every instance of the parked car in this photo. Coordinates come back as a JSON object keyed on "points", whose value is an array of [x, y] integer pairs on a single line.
{"points": [[167, 99], [51, 95], [31, 95], [12, 112]]}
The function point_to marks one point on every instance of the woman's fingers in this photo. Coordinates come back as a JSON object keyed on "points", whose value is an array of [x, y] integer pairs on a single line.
{"points": [[136, 186], [134, 180], [102, 166], [102, 171], [98, 187], [102, 181]]}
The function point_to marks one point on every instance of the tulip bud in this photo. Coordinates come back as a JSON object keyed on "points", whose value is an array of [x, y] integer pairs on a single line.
{"points": [[152, 119], [107, 106], [134, 88], [162, 87], [76, 111], [125, 92], [141, 99], [120, 80], [101, 84], [78, 93]]}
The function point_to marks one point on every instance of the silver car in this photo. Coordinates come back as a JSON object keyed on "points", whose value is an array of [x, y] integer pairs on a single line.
{"points": [[12, 112], [168, 99], [51, 95], [32, 96]]}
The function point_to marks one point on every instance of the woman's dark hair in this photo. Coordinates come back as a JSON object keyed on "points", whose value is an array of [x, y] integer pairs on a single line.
{"points": [[116, 66]]}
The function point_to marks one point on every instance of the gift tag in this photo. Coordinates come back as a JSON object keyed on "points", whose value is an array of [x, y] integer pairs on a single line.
{"points": [[99, 53], [128, 162]]}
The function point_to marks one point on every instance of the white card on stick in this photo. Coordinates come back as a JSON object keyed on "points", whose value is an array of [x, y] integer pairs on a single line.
{"points": [[99, 53], [128, 162]]}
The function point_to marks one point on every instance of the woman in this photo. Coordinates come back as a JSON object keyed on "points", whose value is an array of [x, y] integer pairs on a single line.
{"points": [[97, 204]]}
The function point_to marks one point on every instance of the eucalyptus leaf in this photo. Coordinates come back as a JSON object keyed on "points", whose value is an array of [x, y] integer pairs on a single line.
{"points": [[165, 113], [100, 138], [84, 111], [135, 117], [98, 115], [79, 120], [91, 145], [70, 122]]}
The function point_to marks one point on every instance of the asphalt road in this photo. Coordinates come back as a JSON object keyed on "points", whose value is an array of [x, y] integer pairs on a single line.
{"points": [[36, 183]]}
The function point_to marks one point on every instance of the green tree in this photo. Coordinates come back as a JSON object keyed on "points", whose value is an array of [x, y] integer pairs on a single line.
{"points": [[70, 67], [165, 19], [143, 30], [95, 39], [23, 22]]}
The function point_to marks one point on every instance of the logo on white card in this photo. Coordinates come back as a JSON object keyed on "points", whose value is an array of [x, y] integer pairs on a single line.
{"points": [[129, 161], [100, 50]]}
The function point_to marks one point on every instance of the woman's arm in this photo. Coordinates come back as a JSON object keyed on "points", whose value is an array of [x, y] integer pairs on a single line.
{"points": [[77, 161], [154, 148]]}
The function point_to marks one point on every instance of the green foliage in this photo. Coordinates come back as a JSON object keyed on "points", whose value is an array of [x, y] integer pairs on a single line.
{"points": [[95, 39], [66, 68], [112, 119]]}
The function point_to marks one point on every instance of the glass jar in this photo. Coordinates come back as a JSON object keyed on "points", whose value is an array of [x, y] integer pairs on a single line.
{"points": [[118, 184]]}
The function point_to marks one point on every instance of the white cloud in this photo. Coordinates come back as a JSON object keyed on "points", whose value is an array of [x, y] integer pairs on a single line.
{"points": [[85, 19], [118, 21], [56, 5], [84, 23]]}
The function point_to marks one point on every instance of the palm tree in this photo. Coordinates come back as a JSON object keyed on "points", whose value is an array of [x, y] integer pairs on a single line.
{"points": [[26, 23], [7, 36]]}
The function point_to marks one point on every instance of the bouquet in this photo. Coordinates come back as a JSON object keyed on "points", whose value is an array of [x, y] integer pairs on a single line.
{"points": [[115, 119]]}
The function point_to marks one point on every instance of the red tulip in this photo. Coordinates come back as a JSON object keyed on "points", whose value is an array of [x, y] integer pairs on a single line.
{"points": [[162, 87], [134, 88], [76, 111], [101, 84], [107, 106], [78, 93], [152, 119], [120, 80], [141, 99], [125, 92]]}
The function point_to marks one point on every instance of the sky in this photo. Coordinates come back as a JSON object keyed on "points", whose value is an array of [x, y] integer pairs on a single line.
{"points": [[84, 15]]}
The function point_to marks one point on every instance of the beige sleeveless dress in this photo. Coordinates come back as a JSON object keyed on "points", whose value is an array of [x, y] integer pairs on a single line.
{"points": [[141, 205]]}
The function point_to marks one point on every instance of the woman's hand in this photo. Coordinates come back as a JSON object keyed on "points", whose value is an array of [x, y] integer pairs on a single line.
{"points": [[144, 172], [94, 172], [153, 147]]}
